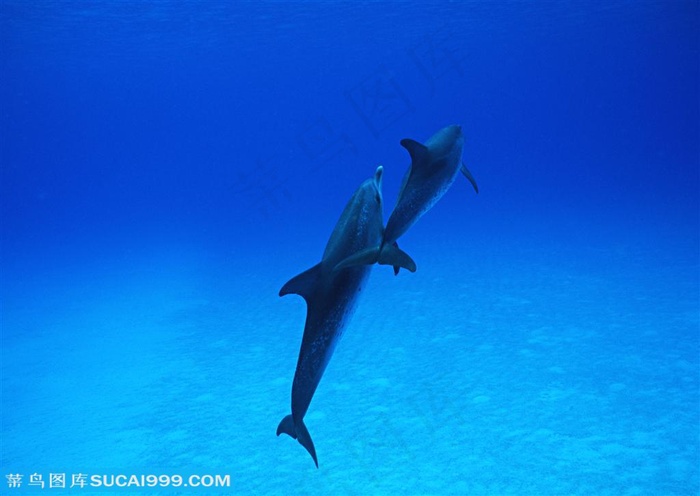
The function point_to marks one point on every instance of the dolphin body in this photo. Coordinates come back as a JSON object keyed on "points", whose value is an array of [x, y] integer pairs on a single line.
{"points": [[434, 167], [331, 297]]}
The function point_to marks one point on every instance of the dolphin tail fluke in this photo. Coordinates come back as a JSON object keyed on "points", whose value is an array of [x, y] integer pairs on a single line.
{"points": [[304, 439], [469, 176], [393, 255], [287, 427], [299, 432]]}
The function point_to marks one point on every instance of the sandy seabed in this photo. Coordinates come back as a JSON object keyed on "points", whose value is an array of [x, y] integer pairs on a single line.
{"points": [[492, 370]]}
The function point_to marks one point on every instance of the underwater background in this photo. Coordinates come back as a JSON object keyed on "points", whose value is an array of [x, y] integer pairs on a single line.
{"points": [[165, 167]]}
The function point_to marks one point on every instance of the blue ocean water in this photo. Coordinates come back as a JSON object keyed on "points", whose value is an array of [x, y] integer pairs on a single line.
{"points": [[165, 167]]}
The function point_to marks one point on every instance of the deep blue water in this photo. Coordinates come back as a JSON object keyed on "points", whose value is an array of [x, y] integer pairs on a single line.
{"points": [[165, 167]]}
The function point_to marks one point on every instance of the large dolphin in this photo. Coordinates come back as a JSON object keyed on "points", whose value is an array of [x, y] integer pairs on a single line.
{"points": [[434, 167], [331, 297]]}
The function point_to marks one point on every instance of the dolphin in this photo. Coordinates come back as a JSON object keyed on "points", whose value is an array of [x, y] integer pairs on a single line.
{"points": [[434, 167], [331, 297]]}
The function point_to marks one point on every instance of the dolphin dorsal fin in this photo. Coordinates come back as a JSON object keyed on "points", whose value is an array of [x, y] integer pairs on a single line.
{"points": [[418, 151], [302, 284]]}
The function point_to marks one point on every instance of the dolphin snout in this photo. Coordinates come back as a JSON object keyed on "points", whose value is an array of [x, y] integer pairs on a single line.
{"points": [[454, 130], [378, 178]]}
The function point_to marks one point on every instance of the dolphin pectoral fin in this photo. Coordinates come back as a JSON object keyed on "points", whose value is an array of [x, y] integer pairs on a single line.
{"points": [[469, 176], [393, 255], [299, 432], [303, 283], [397, 268], [418, 151], [368, 256], [388, 255]]}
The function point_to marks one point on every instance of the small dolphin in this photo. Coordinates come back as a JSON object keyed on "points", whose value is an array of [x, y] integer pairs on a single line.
{"points": [[331, 297], [434, 167]]}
